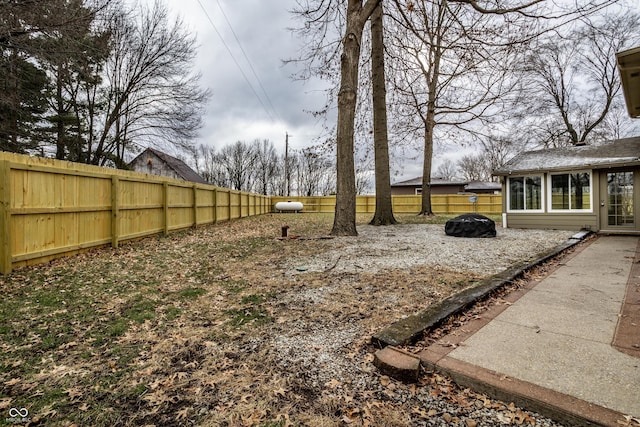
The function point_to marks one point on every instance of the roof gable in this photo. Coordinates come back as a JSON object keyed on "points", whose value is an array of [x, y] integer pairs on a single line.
{"points": [[621, 152], [181, 168]]}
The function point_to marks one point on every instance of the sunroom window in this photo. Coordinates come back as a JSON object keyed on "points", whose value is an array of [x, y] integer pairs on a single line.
{"points": [[525, 193], [571, 191]]}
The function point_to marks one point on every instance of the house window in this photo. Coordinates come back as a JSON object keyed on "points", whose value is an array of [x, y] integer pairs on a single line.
{"points": [[525, 193], [571, 191], [418, 191]]}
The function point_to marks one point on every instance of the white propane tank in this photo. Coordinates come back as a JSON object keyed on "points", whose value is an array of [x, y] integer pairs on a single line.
{"points": [[288, 206]]}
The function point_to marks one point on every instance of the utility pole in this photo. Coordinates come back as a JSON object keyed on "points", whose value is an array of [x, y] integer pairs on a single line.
{"points": [[287, 172]]}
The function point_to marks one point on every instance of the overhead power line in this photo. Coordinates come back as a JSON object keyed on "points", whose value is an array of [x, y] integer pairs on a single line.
{"points": [[215, 28], [266, 95]]}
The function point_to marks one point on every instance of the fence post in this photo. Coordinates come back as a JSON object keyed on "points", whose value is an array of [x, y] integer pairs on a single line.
{"points": [[115, 210], [229, 205], [165, 208], [215, 205], [195, 205], [5, 217]]}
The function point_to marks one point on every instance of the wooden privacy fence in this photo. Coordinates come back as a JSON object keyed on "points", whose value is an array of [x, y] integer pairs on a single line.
{"points": [[51, 208], [442, 204]]}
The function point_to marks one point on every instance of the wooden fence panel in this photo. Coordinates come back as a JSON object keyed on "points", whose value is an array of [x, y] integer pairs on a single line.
{"points": [[206, 204], [181, 199], [51, 208], [140, 208], [443, 204], [224, 204], [235, 209]]}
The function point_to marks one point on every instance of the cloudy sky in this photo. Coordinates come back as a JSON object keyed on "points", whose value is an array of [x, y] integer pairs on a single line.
{"points": [[242, 47], [254, 95]]}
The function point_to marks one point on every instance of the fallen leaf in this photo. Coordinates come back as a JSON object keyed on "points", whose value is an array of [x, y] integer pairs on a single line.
{"points": [[74, 392], [333, 384], [384, 381], [505, 418], [5, 402], [182, 414], [12, 382], [280, 392]]}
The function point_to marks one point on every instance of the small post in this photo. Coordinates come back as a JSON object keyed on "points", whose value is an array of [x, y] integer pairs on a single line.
{"points": [[5, 217], [285, 228], [165, 208], [215, 205], [115, 211], [195, 205]]}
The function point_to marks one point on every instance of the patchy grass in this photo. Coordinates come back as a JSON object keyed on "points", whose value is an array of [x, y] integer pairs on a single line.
{"points": [[204, 327]]}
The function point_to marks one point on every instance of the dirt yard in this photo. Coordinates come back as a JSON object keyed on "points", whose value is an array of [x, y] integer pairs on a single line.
{"points": [[228, 325]]}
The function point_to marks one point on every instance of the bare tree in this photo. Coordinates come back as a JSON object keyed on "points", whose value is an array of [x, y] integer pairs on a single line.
{"points": [[449, 72], [152, 96], [384, 207], [447, 170], [266, 165], [574, 79], [238, 161], [344, 221], [498, 150], [474, 167], [312, 168]]}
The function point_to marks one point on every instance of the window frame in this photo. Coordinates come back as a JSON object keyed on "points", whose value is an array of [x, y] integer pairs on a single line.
{"points": [[570, 210], [542, 195]]}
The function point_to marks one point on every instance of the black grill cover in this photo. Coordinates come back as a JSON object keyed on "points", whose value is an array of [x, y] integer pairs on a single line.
{"points": [[470, 225]]}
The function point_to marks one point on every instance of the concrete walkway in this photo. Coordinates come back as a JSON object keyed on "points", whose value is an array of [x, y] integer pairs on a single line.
{"points": [[553, 344]]}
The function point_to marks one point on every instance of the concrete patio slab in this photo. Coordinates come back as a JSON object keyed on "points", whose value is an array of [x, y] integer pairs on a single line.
{"points": [[552, 349]]}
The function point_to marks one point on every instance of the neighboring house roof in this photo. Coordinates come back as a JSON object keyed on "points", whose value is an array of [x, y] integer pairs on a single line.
{"points": [[413, 182], [621, 152], [181, 168], [481, 185]]}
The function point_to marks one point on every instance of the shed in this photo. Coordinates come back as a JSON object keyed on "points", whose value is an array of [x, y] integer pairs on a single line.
{"points": [[156, 162], [596, 187]]}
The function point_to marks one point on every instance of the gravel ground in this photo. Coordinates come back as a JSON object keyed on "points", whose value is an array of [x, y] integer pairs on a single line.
{"points": [[331, 351], [410, 245]]}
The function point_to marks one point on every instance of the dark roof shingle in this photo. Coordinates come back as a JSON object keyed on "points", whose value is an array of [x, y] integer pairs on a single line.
{"points": [[615, 153], [181, 168]]}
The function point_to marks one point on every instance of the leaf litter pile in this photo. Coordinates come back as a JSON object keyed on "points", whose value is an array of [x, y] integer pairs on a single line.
{"points": [[229, 325]]}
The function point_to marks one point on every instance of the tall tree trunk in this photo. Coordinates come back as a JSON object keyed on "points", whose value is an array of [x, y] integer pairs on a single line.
{"points": [[430, 121], [426, 169], [344, 221], [384, 207], [60, 131]]}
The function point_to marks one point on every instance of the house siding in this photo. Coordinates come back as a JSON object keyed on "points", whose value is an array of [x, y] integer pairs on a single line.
{"points": [[435, 189], [153, 165], [594, 221], [572, 221], [403, 191]]}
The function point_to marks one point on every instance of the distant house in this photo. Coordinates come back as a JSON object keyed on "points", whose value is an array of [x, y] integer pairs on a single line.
{"points": [[442, 186], [596, 187], [156, 162]]}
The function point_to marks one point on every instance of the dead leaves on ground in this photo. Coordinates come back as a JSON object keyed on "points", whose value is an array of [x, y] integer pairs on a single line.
{"points": [[194, 367]]}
